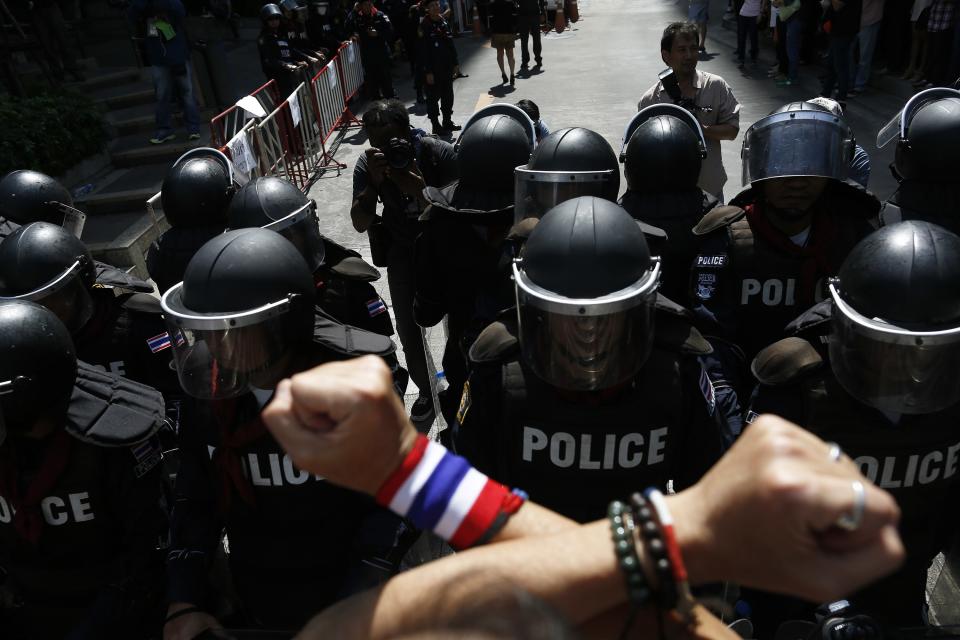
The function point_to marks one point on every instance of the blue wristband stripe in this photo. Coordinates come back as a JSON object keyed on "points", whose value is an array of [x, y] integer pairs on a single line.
{"points": [[433, 498]]}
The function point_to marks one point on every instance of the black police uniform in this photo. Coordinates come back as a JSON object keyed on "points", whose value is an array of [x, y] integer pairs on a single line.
{"points": [[572, 451], [914, 457], [82, 517], [437, 56], [344, 290], [374, 50], [936, 202], [169, 254], [276, 52], [297, 542]]}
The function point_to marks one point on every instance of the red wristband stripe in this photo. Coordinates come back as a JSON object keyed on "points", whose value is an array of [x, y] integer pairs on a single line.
{"points": [[669, 535], [399, 476], [481, 515]]}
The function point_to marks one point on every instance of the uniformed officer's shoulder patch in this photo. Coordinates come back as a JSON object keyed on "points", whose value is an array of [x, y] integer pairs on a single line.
{"points": [[498, 342], [717, 218], [147, 455], [466, 400], [785, 361]]}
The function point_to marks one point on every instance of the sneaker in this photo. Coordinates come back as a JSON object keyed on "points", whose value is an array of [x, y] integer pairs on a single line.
{"points": [[422, 410], [194, 136], [166, 138]]}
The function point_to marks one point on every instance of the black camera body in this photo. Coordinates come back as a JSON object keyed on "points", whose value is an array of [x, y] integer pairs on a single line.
{"points": [[672, 86], [399, 153]]}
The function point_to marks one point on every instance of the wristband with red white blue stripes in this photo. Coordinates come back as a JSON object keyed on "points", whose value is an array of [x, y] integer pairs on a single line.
{"points": [[440, 491], [685, 601]]}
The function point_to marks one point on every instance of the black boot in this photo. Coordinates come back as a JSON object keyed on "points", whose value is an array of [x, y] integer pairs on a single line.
{"points": [[421, 99], [449, 125], [437, 129]]}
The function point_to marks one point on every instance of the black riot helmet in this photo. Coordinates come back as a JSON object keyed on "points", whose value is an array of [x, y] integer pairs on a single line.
{"points": [[244, 308], [30, 196], [663, 150], [197, 189], [566, 164], [38, 365], [276, 204], [586, 286], [269, 11], [927, 131], [895, 342], [48, 265]]}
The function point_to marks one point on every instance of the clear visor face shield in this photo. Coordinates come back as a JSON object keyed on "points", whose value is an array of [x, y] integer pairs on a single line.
{"points": [[655, 110], [223, 356], [797, 143], [66, 296], [891, 368], [302, 229], [536, 192], [896, 128], [590, 344]]}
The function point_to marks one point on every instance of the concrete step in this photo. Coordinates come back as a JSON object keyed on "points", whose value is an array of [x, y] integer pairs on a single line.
{"points": [[135, 149], [141, 117], [124, 189], [106, 77], [123, 95], [122, 239]]}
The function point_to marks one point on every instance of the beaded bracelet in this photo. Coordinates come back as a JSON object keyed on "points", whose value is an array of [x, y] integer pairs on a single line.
{"points": [[651, 536], [621, 530]]}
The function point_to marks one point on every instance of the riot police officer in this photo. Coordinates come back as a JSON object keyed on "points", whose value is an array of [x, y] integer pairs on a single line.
{"points": [[30, 196], [195, 194], [374, 31], [242, 320], [341, 276], [927, 131], [766, 257], [438, 64], [883, 385], [663, 149], [294, 27], [592, 385], [279, 60], [123, 334], [459, 251], [81, 513]]}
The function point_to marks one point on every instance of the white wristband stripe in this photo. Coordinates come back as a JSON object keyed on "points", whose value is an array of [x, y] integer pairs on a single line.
{"points": [[408, 491], [460, 504]]}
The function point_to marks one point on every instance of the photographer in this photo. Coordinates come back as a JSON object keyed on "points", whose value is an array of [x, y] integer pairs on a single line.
{"points": [[706, 95], [399, 164]]}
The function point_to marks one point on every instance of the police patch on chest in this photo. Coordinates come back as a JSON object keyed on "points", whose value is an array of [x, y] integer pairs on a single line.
{"points": [[712, 262], [465, 401], [706, 285], [147, 455]]}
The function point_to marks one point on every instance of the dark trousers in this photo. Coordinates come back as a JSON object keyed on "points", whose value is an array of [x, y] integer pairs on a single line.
{"points": [[782, 60], [377, 79], [529, 26], [838, 67], [938, 56], [403, 286], [440, 96], [747, 28]]}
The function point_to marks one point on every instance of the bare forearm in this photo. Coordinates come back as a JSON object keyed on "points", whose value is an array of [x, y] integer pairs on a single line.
{"points": [[720, 132], [533, 520], [364, 210]]}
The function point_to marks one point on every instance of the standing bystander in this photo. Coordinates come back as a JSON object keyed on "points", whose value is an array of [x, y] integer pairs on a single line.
{"points": [[699, 14], [747, 27], [842, 22], [939, 37], [530, 15], [437, 58], [708, 96], [870, 20]]}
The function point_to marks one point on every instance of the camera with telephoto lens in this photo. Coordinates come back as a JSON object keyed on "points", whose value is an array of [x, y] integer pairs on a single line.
{"points": [[398, 153]]}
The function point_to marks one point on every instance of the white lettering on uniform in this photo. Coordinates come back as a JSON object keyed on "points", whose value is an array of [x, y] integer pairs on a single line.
{"points": [[772, 292], [623, 452], [47, 504], [926, 475], [80, 505], [920, 469], [281, 471], [5, 515], [293, 475], [255, 477]]}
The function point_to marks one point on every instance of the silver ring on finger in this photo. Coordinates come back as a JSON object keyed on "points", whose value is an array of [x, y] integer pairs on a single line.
{"points": [[851, 521], [835, 452]]}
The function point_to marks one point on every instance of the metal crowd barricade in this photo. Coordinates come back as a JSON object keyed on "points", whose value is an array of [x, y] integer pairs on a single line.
{"points": [[226, 125], [351, 77], [284, 139], [241, 149], [327, 90]]}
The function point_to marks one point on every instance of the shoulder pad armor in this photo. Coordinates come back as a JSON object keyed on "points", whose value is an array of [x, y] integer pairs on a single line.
{"points": [[498, 342], [141, 302], [350, 341], [356, 269], [111, 411], [785, 361], [674, 329], [816, 315], [717, 218], [110, 276]]}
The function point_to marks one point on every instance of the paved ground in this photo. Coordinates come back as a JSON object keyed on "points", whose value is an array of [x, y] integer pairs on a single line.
{"points": [[593, 76]]}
